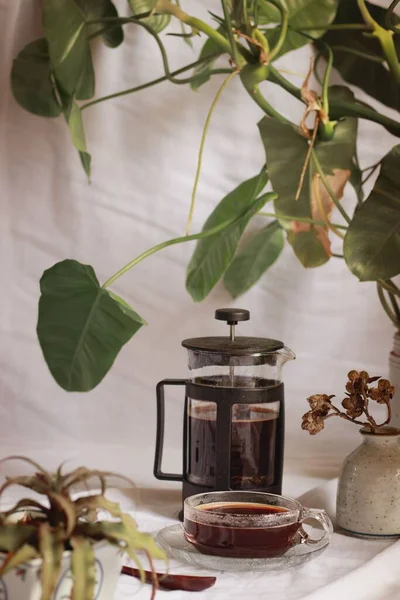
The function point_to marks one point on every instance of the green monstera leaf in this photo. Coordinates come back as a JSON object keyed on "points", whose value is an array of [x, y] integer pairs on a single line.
{"points": [[66, 34], [102, 9], [81, 326], [32, 80], [213, 255], [254, 258], [359, 58], [372, 242], [302, 14], [286, 152]]}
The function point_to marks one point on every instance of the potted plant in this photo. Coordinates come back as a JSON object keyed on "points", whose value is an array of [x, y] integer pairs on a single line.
{"points": [[82, 324], [369, 482], [70, 545]]}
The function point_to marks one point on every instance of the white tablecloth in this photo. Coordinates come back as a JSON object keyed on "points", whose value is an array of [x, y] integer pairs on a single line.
{"points": [[350, 568]]}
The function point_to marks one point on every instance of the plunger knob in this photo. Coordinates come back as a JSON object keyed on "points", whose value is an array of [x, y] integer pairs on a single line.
{"points": [[232, 315]]}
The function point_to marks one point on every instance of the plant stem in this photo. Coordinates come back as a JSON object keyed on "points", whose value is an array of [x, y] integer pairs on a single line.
{"points": [[337, 109], [389, 286], [167, 7], [299, 219], [372, 171], [325, 81], [276, 77], [334, 27], [389, 17], [200, 156], [385, 38], [143, 86], [389, 414], [385, 305], [328, 188], [118, 20], [367, 55], [179, 240], [395, 305], [251, 76], [359, 110], [228, 24], [284, 28]]}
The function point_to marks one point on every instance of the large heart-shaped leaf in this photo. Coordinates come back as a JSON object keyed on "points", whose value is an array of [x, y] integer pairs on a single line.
{"points": [[32, 81], [156, 22], [213, 255], [372, 242], [201, 73], [286, 151], [358, 57], [254, 257], [81, 326], [302, 14], [102, 9], [66, 34]]}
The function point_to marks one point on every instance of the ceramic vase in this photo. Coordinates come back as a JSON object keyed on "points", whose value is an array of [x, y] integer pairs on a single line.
{"points": [[394, 378], [23, 583], [368, 498]]}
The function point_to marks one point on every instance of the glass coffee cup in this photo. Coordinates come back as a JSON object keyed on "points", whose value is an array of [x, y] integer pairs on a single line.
{"points": [[250, 524]]}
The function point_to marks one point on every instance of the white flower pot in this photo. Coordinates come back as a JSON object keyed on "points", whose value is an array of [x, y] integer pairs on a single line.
{"points": [[24, 583], [368, 498], [394, 378]]}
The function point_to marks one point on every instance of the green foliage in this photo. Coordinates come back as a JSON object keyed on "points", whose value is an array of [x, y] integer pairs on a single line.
{"points": [[202, 73], [213, 255], [65, 30], [256, 255], [31, 80], [302, 14], [156, 22], [81, 326], [102, 9], [75, 124], [70, 523], [372, 242], [358, 56], [285, 145]]}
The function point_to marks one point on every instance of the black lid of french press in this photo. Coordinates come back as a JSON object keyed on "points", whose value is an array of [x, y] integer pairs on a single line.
{"points": [[239, 346]]}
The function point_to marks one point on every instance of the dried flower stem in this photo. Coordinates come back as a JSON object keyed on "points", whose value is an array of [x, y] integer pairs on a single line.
{"points": [[359, 392]]}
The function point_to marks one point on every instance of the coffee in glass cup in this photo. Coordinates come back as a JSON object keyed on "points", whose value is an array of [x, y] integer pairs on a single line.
{"points": [[249, 524]]}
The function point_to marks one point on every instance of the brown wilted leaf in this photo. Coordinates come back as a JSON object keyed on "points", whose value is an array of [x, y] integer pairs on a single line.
{"points": [[322, 206]]}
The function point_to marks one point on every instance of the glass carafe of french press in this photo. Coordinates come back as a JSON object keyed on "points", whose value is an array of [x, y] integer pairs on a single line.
{"points": [[233, 426]]}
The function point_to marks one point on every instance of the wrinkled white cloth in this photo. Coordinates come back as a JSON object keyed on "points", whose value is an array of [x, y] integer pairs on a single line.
{"points": [[350, 568]]}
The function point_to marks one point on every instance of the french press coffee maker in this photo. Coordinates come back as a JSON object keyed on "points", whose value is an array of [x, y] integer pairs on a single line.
{"points": [[233, 423]]}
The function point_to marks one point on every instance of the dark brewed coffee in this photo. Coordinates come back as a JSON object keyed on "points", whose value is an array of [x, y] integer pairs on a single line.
{"points": [[241, 542], [254, 430]]}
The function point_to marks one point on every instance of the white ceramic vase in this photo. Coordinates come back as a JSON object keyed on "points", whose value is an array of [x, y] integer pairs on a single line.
{"points": [[394, 378], [23, 583], [368, 498]]}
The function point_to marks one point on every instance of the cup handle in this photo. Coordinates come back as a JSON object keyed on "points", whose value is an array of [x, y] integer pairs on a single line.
{"points": [[324, 520]]}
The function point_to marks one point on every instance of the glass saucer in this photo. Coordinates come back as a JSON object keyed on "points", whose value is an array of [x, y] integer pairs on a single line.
{"points": [[173, 541]]}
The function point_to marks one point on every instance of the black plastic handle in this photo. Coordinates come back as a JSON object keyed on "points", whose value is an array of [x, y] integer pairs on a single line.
{"points": [[158, 473]]}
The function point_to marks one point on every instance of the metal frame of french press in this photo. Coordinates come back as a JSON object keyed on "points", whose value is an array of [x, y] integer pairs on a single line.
{"points": [[224, 398]]}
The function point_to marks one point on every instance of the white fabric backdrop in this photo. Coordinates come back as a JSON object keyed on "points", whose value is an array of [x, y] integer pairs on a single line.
{"points": [[144, 151]]}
